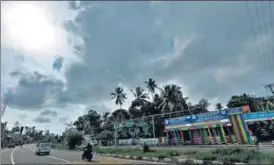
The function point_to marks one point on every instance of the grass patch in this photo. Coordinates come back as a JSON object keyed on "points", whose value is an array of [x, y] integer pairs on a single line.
{"points": [[234, 154], [137, 152]]}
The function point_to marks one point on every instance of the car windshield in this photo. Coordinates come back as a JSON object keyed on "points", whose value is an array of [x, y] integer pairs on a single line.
{"points": [[44, 145], [149, 81]]}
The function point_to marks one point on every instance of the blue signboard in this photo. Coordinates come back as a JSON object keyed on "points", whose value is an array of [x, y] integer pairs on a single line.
{"points": [[258, 115], [236, 110], [210, 116], [178, 120], [202, 117], [214, 115]]}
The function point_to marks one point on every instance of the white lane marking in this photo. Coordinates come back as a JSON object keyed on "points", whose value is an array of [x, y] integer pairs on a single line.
{"points": [[11, 156], [59, 159], [53, 157], [31, 149]]}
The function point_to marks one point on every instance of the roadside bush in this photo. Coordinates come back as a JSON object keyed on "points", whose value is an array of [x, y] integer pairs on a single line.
{"points": [[74, 139], [234, 154], [145, 148], [137, 152]]}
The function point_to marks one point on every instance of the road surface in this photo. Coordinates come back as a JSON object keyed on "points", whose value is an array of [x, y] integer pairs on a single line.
{"points": [[25, 155]]}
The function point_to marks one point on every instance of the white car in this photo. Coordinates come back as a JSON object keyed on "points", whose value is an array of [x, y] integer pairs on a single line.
{"points": [[43, 148]]}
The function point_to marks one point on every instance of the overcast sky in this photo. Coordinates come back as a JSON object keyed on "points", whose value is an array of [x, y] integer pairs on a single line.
{"points": [[59, 59]]}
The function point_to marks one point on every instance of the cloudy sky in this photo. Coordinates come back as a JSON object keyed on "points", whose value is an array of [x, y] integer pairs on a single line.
{"points": [[59, 59]]}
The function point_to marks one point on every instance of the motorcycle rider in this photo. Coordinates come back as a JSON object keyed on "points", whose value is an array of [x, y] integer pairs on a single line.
{"points": [[87, 149]]}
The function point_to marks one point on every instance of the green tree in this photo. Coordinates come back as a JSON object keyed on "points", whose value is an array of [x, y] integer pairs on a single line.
{"points": [[151, 86], [172, 99], [140, 99], [105, 136], [119, 115], [80, 123], [242, 100], [219, 106], [105, 117], [119, 96], [74, 139], [21, 130]]}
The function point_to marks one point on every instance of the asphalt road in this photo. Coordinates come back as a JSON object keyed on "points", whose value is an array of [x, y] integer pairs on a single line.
{"points": [[25, 155]]}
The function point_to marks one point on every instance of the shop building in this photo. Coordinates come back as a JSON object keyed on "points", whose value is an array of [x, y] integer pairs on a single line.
{"points": [[215, 127]]}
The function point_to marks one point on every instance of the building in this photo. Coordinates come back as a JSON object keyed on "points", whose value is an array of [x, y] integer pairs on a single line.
{"points": [[215, 127]]}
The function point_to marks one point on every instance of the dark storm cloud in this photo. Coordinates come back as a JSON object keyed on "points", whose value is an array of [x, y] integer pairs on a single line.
{"points": [[48, 112], [123, 37], [32, 91], [41, 119]]}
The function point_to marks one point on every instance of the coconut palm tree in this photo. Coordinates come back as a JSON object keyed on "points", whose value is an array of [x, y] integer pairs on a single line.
{"points": [[151, 86], [119, 96], [171, 96], [140, 98]]}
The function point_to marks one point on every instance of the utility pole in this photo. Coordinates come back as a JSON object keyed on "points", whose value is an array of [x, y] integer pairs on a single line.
{"points": [[153, 126], [270, 86]]}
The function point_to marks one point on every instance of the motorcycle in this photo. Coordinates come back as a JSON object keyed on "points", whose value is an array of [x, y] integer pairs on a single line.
{"points": [[87, 155]]}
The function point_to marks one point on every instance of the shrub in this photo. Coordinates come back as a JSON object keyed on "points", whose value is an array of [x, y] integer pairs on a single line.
{"points": [[74, 139], [145, 148]]}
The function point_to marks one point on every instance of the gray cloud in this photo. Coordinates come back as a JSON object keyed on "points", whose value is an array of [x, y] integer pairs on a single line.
{"points": [[123, 41], [128, 42], [48, 112], [63, 120], [22, 116], [41, 119], [32, 91]]}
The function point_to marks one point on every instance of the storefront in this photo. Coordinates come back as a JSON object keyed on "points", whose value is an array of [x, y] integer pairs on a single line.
{"points": [[216, 127]]}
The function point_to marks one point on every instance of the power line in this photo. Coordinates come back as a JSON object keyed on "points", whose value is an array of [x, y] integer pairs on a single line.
{"points": [[271, 31], [265, 28], [254, 34]]}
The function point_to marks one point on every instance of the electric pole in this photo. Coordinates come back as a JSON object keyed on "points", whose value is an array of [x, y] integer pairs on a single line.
{"points": [[270, 86]]}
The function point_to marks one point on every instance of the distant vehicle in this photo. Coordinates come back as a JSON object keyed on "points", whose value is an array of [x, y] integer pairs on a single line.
{"points": [[272, 142], [43, 148]]}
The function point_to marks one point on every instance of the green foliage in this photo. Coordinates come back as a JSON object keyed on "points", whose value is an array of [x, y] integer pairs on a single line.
{"points": [[137, 152], [74, 139], [105, 135], [233, 154]]}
